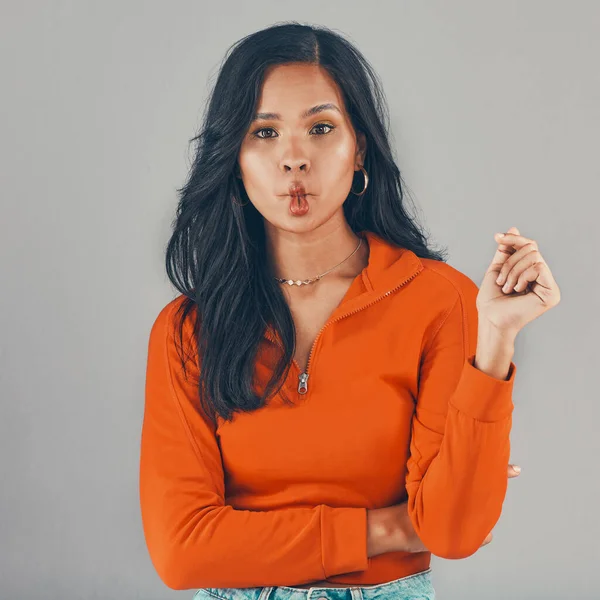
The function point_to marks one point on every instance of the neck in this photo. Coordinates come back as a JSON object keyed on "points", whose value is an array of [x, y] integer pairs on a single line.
{"points": [[306, 255]]}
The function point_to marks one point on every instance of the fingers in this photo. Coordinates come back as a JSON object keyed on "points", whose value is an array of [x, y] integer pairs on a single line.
{"points": [[522, 271], [507, 248], [514, 470], [512, 271], [503, 251], [510, 240], [487, 540]]}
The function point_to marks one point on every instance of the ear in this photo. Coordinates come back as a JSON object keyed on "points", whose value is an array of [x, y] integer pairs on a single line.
{"points": [[361, 148]]}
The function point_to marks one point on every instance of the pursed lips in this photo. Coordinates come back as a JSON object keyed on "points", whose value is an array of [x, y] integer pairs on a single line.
{"points": [[297, 190]]}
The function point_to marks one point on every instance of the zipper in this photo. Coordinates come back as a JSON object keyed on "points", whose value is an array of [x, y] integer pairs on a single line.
{"points": [[303, 376]]}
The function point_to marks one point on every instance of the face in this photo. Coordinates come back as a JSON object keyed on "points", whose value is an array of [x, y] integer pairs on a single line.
{"points": [[319, 150]]}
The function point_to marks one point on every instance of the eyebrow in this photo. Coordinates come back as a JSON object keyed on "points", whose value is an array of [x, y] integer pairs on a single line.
{"points": [[307, 113]]}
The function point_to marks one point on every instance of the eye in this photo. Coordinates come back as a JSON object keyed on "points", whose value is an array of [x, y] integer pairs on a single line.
{"points": [[261, 137], [325, 125]]}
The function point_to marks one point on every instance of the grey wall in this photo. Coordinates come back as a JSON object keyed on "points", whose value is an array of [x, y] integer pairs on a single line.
{"points": [[496, 120]]}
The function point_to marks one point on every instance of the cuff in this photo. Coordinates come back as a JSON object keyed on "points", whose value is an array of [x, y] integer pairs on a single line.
{"points": [[481, 396], [343, 539]]}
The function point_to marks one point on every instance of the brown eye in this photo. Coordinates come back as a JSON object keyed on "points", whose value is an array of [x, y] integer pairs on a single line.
{"points": [[255, 134], [325, 125]]}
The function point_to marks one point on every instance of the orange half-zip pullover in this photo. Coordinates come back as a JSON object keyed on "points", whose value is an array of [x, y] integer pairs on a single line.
{"points": [[391, 409]]}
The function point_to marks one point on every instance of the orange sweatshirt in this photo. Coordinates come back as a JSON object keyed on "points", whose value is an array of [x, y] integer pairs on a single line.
{"points": [[392, 410]]}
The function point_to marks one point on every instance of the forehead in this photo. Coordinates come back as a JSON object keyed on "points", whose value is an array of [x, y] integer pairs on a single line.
{"points": [[292, 88]]}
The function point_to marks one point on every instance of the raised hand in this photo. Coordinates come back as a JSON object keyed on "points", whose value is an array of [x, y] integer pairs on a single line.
{"points": [[518, 286]]}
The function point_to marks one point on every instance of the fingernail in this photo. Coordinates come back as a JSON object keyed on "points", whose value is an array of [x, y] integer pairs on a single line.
{"points": [[500, 234], [516, 468], [499, 280]]}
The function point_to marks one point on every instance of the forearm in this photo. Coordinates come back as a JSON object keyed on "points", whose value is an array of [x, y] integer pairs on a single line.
{"points": [[495, 351], [389, 530]]}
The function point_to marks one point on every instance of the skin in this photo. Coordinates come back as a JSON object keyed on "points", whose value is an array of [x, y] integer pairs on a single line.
{"points": [[323, 158], [323, 151]]}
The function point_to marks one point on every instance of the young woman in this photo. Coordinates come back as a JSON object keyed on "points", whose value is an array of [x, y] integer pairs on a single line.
{"points": [[328, 402]]}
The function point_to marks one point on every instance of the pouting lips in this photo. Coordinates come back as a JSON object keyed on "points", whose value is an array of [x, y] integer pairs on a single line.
{"points": [[298, 204], [297, 190]]}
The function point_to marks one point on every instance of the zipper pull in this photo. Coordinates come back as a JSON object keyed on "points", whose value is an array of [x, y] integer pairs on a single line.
{"points": [[303, 383]]}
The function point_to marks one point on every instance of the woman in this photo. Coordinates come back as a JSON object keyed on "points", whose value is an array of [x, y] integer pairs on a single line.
{"points": [[328, 402]]}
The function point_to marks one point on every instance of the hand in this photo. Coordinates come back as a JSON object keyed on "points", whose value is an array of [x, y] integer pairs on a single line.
{"points": [[412, 542], [529, 288]]}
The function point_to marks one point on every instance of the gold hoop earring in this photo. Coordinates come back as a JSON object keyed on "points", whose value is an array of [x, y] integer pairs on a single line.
{"points": [[366, 183]]}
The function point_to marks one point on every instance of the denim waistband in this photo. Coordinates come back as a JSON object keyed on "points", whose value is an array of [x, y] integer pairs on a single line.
{"points": [[418, 585]]}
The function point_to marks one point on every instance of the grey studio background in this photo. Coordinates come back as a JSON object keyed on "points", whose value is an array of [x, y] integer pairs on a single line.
{"points": [[495, 111]]}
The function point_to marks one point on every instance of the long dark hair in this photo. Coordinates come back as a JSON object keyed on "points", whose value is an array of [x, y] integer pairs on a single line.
{"points": [[216, 255]]}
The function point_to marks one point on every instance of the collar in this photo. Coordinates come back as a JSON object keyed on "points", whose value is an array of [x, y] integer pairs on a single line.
{"points": [[388, 265], [388, 268]]}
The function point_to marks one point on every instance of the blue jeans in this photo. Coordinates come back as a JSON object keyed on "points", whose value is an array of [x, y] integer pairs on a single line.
{"points": [[414, 587]]}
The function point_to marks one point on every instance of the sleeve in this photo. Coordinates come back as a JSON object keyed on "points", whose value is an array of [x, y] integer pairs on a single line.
{"points": [[457, 476], [194, 539]]}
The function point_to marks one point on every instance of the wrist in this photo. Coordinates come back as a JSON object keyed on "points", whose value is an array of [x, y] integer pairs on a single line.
{"points": [[495, 350], [390, 530], [382, 530], [490, 334]]}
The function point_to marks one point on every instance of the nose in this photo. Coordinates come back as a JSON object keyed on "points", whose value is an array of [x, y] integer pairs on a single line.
{"points": [[298, 164], [294, 158]]}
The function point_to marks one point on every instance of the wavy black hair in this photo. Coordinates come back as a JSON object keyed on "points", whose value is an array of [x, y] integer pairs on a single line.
{"points": [[216, 255]]}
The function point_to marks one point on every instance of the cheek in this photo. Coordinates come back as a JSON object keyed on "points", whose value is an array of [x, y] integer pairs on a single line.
{"points": [[255, 169], [336, 166], [344, 150], [339, 153]]}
